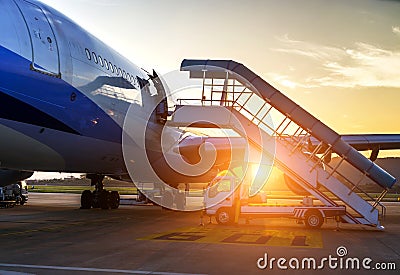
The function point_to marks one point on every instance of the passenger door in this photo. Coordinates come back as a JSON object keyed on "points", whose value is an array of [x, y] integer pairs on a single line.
{"points": [[45, 56]]}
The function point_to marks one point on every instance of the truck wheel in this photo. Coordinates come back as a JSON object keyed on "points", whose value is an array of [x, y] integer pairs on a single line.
{"points": [[224, 216], [86, 199], [23, 200], [313, 219]]}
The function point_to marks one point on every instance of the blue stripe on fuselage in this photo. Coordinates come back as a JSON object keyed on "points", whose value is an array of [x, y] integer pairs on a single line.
{"points": [[51, 96], [29, 115]]}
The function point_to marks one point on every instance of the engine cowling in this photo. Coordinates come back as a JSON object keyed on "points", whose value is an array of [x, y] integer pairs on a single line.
{"points": [[8, 177], [294, 186]]}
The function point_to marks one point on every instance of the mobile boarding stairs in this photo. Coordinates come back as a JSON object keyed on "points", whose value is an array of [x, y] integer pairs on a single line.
{"points": [[228, 85]]}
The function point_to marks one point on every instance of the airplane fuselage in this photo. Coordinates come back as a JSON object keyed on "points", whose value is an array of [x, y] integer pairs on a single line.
{"points": [[64, 94]]}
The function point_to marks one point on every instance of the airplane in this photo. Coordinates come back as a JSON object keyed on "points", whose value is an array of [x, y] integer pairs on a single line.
{"points": [[65, 96]]}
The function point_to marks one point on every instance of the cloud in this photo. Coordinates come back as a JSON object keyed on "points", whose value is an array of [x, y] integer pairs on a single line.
{"points": [[284, 80], [396, 30], [307, 49], [362, 65]]}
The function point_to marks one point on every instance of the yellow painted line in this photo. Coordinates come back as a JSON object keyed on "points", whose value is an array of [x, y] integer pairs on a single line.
{"points": [[241, 236]]}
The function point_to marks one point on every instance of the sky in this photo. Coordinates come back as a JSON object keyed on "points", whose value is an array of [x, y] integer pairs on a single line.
{"points": [[340, 59]]}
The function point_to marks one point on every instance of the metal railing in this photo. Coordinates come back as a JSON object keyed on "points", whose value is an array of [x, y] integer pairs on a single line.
{"points": [[231, 93]]}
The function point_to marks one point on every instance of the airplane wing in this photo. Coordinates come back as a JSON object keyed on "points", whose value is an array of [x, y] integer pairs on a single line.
{"points": [[189, 147], [373, 142], [8, 177]]}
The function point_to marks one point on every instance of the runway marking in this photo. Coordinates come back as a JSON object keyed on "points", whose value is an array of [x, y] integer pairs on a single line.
{"points": [[88, 269], [241, 236]]}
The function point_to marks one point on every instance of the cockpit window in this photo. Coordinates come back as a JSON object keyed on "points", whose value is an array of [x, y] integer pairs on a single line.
{"points": [[106, 64]]}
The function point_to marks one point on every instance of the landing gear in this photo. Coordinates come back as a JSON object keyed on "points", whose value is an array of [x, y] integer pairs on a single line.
{"points": [[103, 199], [174, 197], [114, 200], [167, 199], [86, 199], [99, 198]]}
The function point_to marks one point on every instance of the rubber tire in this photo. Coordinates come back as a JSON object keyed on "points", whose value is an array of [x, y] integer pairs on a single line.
{"points": [[104, 199], [180, 201], [313, 219], [167, 200], [294, 186], [140, 197], [23, 200], [86, 199], [224, 216], [114, 200]]}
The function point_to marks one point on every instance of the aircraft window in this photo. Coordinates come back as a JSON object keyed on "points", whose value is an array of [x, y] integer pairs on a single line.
{"points": [[134, 80], [120, 71], [88, 54], [101, 61], [116, 69], [95, 57], [128, 77], [106, 64], [111, 67], [124, 74]]}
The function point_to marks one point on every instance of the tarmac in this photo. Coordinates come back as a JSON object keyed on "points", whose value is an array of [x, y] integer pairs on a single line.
{"points": [[51, 235]]}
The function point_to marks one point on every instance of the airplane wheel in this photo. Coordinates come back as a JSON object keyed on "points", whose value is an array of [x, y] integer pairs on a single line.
{"points": [[104, 198], [313, 219], [141, 197], [86, 199], [167, 200], [180, 200], [224, 216], [114, 200]]}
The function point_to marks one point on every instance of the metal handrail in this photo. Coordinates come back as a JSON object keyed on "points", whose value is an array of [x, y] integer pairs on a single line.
{"points": [[334, 169], [241, 107]]}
